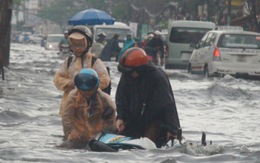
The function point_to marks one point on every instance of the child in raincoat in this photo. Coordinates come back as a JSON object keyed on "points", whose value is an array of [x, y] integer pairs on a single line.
{"points": [[80, 39], [89, 110]]}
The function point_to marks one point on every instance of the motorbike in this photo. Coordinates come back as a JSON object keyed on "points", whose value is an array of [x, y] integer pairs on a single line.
{"points": [[64, 51]]}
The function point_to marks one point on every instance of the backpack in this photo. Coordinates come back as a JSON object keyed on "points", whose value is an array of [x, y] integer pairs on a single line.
{"points": [[108, 88]]}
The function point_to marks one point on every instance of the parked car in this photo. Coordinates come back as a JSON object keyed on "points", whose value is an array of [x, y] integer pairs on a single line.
{"points": [[227, 50], [52, 42], [35, 38]]}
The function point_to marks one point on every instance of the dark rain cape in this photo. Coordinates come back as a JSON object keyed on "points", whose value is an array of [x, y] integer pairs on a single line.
{"points": [[110, 49], [153, 45], [146, 99]]}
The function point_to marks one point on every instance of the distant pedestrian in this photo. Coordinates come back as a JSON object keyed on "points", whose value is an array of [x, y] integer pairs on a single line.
{"points": [[43, 41], [128, 43], [64, 41], [102, 38]]}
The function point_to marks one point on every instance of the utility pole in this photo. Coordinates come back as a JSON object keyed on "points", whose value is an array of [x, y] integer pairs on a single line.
{"points": [[229, 12], [5, 34]]}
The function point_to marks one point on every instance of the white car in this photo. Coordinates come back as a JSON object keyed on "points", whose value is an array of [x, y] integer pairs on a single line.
{"points": [[52, 42], [35, 38], [227, 50]]}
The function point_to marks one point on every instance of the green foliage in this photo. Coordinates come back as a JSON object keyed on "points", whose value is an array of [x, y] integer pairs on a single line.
{"points": [[118, 13], [18, 3], [120, 10], [98, 4], [117, 8], [61, 10]]}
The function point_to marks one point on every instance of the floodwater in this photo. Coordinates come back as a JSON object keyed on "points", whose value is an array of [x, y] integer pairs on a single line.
{"points": [[226, 109]]}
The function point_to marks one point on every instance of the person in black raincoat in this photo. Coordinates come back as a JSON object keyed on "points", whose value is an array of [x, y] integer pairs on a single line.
{"points": [[144, 99], [111, 49], [154, 46]]}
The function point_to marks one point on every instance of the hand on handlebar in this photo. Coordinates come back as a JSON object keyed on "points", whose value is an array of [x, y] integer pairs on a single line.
{"points": [[120, 125]]}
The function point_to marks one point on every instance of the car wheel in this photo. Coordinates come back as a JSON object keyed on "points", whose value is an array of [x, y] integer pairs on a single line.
{"points": [[206, 71]]}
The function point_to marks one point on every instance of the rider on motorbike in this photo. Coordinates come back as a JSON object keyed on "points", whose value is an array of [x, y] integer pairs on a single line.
{"points": [[64, 44], [154, 47]]}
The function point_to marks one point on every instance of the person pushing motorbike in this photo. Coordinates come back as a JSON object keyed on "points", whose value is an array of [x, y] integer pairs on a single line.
{"points": [[145, 101]]}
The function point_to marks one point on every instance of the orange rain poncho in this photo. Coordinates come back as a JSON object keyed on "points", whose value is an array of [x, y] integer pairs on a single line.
{"points": [[65, 75], [84, 115]]}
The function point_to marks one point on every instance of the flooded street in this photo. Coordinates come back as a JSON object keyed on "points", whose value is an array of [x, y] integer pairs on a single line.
{"points": [[226, 109]]}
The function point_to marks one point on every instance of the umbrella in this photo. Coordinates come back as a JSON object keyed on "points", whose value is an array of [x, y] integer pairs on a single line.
{"points": [[91, 17]]}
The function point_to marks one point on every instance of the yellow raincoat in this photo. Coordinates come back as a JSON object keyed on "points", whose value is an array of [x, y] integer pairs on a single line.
{"points": [[65, 75], [83, 116]]}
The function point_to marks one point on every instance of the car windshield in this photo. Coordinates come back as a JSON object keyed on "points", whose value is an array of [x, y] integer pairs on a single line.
{"points": [[187, 35], [54, 38], [111, 31], [239, 41]]}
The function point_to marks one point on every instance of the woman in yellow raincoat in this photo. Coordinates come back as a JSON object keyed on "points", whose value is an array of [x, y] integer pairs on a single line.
{"points": [[80, 39], [89, 110]]}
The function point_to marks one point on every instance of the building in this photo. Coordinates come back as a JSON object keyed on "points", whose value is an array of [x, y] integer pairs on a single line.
{"points": [[25, 18]]}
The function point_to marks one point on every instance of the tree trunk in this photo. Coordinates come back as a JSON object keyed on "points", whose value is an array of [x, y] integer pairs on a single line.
{"points": [[254, 14], [5, 31]]}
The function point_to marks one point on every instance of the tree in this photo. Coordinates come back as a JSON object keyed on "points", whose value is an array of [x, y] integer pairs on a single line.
{"points": [[61, 10], [5, 28], [216, 11], [253, 7]]}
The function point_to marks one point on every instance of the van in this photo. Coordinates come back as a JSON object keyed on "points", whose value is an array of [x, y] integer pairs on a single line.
{"points": [[181, 34], [118, 27]]}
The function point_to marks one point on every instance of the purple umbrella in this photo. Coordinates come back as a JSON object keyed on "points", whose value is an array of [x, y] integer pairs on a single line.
{"points": [[91, 17]]}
